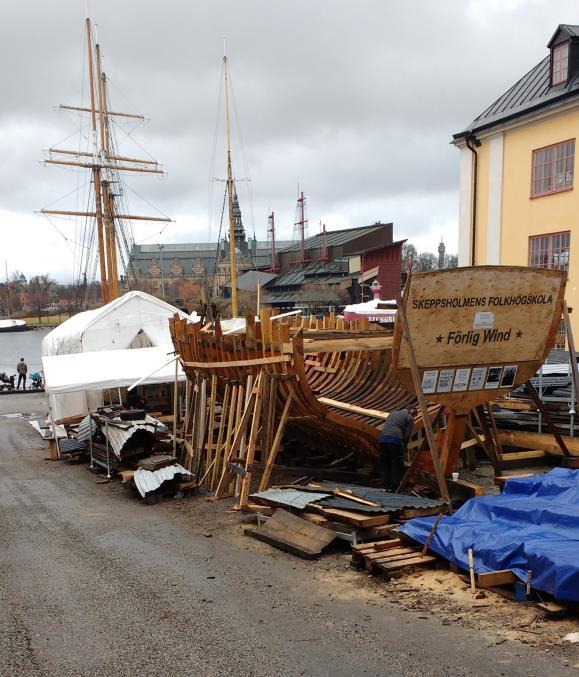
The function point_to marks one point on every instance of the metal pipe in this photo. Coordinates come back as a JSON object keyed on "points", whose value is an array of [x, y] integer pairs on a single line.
{"points": [[471, 139]]}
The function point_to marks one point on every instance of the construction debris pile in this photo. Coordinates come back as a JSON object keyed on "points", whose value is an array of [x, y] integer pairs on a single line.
{"points": [[350, 512], [128, 442]]}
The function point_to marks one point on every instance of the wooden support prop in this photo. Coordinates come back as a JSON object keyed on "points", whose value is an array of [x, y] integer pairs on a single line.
{"points": [[255, 424], [423, 406], [275, 446], [431, 534], [489, 408], [211, 426], [490, 447], [227, 475], [220, 434], [175, 396], [471, 571], [572, 353], [421, 447], [486, 445], [548, 420]]}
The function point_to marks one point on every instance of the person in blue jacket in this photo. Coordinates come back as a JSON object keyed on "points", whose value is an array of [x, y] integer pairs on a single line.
{"points": [[396, 432]]}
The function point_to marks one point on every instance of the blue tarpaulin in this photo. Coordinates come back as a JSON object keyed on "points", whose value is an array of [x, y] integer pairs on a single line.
{"points": [[532, 526]]}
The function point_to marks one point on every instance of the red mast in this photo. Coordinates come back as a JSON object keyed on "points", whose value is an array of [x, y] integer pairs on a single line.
{"points": [[274, 268], [302, 224]]}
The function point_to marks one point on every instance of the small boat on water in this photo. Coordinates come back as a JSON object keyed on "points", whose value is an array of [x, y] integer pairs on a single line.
{"points": [[13, 325]]}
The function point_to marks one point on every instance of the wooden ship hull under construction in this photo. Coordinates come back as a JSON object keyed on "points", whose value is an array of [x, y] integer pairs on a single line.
{"points": [[332, 381]]}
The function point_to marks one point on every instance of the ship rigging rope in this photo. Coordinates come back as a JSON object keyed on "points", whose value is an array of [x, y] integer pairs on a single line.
{"points": [[244, 159], [214, 153]]}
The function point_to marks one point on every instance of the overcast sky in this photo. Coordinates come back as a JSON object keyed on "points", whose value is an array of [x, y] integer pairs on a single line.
{"points": [[355, 101]]}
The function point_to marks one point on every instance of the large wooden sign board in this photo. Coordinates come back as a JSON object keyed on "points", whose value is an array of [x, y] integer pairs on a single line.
{"points": [[478, 332]]}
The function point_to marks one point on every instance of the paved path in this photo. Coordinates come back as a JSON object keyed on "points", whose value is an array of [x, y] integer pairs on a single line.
{"points": [[99, 584]]}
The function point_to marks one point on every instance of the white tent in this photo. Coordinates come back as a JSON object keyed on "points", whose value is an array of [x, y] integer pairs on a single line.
{"points": [[133, 321], [109, 369]]}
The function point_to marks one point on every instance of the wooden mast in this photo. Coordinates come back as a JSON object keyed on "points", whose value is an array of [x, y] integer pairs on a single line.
{"points": [[230, 199], [104, 164], [96, 175], [109, 217]]}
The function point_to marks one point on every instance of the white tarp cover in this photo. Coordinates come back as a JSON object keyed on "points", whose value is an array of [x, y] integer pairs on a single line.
{"points": [[133, 321], [108, 369], [114, 326]]}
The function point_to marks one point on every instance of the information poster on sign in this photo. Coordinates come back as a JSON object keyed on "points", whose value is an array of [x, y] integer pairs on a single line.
{"points": [[478, 330]]}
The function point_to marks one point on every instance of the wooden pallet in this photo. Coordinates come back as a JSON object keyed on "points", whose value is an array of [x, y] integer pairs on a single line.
{"points": [[387, 556]]}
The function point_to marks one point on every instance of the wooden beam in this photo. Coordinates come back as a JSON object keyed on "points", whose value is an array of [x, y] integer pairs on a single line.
{"points": [[88, 110], [239, 363], [127, 217], [356, 345], [438, 469], [548, 420], [80, 153], [91, 165], [522, 455], [375, 413], [492, 578], [544, 441]]}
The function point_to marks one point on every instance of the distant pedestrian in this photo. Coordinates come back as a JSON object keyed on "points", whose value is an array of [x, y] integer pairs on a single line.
{"points": [[396, 432], [22, 369]]}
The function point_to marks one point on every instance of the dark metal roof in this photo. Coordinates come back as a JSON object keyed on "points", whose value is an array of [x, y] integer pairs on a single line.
{"points": [[335, 238], [367, 250], [568, 31], [530, 93], [309, 273]]}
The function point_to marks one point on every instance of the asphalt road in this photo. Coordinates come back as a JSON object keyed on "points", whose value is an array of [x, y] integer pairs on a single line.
{"points": [[97, 584]]}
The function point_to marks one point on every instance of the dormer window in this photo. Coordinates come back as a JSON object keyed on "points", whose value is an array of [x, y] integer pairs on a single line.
{"points": [[560, 64]]}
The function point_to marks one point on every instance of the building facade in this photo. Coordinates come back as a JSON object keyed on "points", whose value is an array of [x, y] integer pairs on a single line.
{"points": [[518, 204]]}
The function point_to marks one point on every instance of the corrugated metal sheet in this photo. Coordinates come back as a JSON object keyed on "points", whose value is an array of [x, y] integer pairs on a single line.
{"points": [[388, 502], [118, 436], [292, 497], [147, 481], [86, 428]]}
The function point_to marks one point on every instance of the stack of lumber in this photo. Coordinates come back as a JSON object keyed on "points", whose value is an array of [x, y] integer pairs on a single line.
{"points": [[388, 556], [362, 512]]}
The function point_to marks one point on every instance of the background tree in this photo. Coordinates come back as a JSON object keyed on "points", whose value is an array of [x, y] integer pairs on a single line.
{"points": [[39, 293]]}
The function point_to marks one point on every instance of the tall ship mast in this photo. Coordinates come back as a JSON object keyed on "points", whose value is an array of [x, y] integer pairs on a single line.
{"points": [[230, 189], [107, 168]]}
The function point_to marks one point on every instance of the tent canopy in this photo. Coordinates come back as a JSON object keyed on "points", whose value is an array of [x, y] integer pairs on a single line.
{"points": [[108, 369], [134, 320]]}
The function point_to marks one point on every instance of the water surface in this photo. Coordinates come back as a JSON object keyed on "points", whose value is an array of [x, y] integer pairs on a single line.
{"points": [[26, 344]]}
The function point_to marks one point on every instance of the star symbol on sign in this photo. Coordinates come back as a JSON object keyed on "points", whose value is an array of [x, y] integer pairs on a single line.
{"points": [[439, 338], [519, 334]]}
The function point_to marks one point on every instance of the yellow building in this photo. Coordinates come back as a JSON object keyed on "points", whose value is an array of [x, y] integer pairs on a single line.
{"points": [[518, 204]]}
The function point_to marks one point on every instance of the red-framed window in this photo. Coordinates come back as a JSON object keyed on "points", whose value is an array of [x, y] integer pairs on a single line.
{"points": [[553, 168], [550, 251], [560, 64]]}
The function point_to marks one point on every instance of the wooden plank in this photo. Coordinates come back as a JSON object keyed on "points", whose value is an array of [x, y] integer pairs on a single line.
{"points": [[293, 534], [545, 441], [387, 545], [492, 578], [401, 564], [253, 362], [349, 517], [345, 406], [275, 446], [522, 455]]}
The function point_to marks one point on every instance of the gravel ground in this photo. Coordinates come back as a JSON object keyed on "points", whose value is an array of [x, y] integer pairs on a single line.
{"points": [[94, 582]]}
